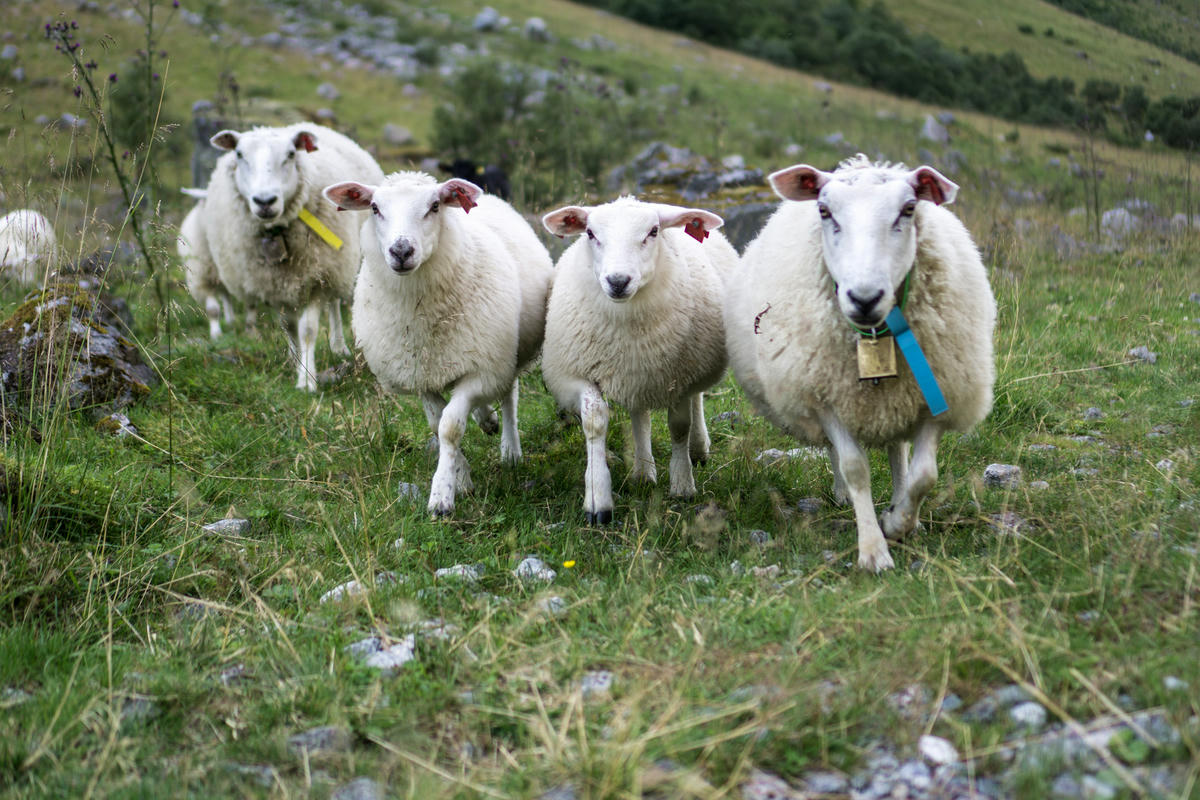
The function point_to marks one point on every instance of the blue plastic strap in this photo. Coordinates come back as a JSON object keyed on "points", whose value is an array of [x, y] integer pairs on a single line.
{"points": [[917, 362]]}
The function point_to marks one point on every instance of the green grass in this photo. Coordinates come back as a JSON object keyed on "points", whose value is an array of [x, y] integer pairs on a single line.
{"points": [[111, 592]]}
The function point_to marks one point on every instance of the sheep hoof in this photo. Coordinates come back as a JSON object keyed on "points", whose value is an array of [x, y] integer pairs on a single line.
{"points": [[876, 561], [440, 511], [600, 517], [699, 461]]}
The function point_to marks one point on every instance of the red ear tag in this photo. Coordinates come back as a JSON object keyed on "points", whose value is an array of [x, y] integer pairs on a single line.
{"points": [[696, 230], [464, 200]]}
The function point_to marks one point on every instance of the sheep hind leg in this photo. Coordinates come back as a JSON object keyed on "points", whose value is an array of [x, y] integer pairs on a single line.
{"points": [[212, 307], [644, 468], [306, 348], [679, 423], [337, 336], [597, 480], [855, 468], [919, 479], [453, 473], [485, 417], [841, 494], [432, 404], [227, 308], [510, 438], [699, 441]]}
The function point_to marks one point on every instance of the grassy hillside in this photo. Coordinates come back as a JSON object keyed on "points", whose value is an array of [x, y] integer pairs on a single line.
{"points": [[144, 656], [1170, 24]]}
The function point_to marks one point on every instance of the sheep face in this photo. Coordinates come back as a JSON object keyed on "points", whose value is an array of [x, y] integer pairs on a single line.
{"points": [[407, 216], [624, 238], [265, 169], [868, 229]]}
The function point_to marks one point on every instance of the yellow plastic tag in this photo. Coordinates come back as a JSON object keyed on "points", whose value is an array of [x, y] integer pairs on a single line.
{"points": [[321, 229]]}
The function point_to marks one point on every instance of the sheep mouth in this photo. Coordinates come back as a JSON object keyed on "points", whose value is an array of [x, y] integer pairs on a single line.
{"points": [[402, 269], [266, 213]]}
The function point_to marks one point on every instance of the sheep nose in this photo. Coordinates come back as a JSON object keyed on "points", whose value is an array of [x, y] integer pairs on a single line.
{"points": [[265, 200], [617, 284], [863, 305], [401, 253]]}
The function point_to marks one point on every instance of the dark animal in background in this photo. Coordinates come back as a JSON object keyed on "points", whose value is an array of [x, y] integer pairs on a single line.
{"points": [[492, 179]]}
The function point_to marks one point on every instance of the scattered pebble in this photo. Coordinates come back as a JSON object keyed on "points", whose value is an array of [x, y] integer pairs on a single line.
{"points": [[1028, 715], [951, 703], [760, 538], [1039, 486], [228, 526], [1002, 476], [364, 647], [737, 569], [1065, 786], [1043, 448], [12, 696], [118, 425], [1174, 684], [768, 573], [703, 580], [1088, 617], [762, 785], [1008, 523], [234, 674], [826, 783], [390, 659], [358, 789], [1166, 465], [354, 588], [564, 791], [1143, 353], [1084, 438], [410, 492], [1085, 472], [262, 774], [325, 739], [553, 606], [465, 572], [137, 709], [1093, 413], [809, 505], [937, 750], [534, 569], [596, 683]]}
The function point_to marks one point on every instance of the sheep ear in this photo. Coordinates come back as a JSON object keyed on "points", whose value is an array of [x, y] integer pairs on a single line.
{"points": [[695, 222], [306, 141], [931, 185], [225, 140], [350, 195], [457, 192], [566, 221], [800, 182]]}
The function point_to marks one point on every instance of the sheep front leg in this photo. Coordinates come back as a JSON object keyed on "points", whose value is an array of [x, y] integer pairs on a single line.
{"points": [[679, 423], [212, 307], [855, 468], [597, 481], [227, 307], [643, 458], [919, 480], [510, 437], [432, 404], [337, 336], [305, 348], [453, 474], [699, 442]]}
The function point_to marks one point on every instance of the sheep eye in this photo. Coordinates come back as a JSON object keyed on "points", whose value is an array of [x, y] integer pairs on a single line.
{"points": [[375, 210], [238, 153], [591, 235], [433, 209], [653, 232], [291, 155], [908, 209], [824, 211]]}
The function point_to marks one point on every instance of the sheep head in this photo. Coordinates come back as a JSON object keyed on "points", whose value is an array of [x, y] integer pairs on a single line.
{"points": [[623, 238], [407, 213], [265, 167], [869, 223]]}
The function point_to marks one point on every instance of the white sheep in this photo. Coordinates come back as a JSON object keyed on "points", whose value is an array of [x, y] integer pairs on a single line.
{"points": [[819, 275], [273, 241], [26, 240], [635, 316], [451, 298], [200, 272]]}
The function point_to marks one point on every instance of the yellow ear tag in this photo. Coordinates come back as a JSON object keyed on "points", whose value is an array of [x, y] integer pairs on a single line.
{"points": [[320, 229]]}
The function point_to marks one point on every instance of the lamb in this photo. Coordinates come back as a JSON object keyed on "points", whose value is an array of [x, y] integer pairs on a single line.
{"points": [[26, 239], [451, 298], [876, 249], [272, 242], [200, 272], [635, 315]]}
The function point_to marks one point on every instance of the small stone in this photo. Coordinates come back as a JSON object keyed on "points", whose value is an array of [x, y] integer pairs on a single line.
{"points": [[534, 569], [535, 30], [934, 131], [828, 556], [732, 417], [1096, 789], [737, 569], [228, 527], [1088, 617], [770, 456], [233, 675], [915, 775], [1093, 413], [262, 774], [397, 135], [702, 580], [1039, 486], [328, 91], [760, 538], [553, 606], [1174, 684], [809, 505], [1143, 353], [768, 573], [1042, 448], [12, 696], [937, 750], [390, 659], [325, 739], [488, 19], [1194, 297], [951, 703], [596, 683], [1010, 695], [1165, 465], [1085, 472], [463, 572], [1066, 787], [762, 785], [398, 544], [1008, 523], [358, 789], [364, 647], [9, 52], [1002, 476], [1187, 402], [826, 783], [1029, 715], [564, 791], [117, 424], [411, 492], [137, 709]]}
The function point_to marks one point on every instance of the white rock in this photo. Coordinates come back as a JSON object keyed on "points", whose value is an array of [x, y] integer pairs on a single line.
{"points": [[1173, 684], [704, 580], [465, 572], [596, 682], [762, 785], [553, 606], [229, 526], [534, 569], [392, 658], [937, 750], [1028, 714]]}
